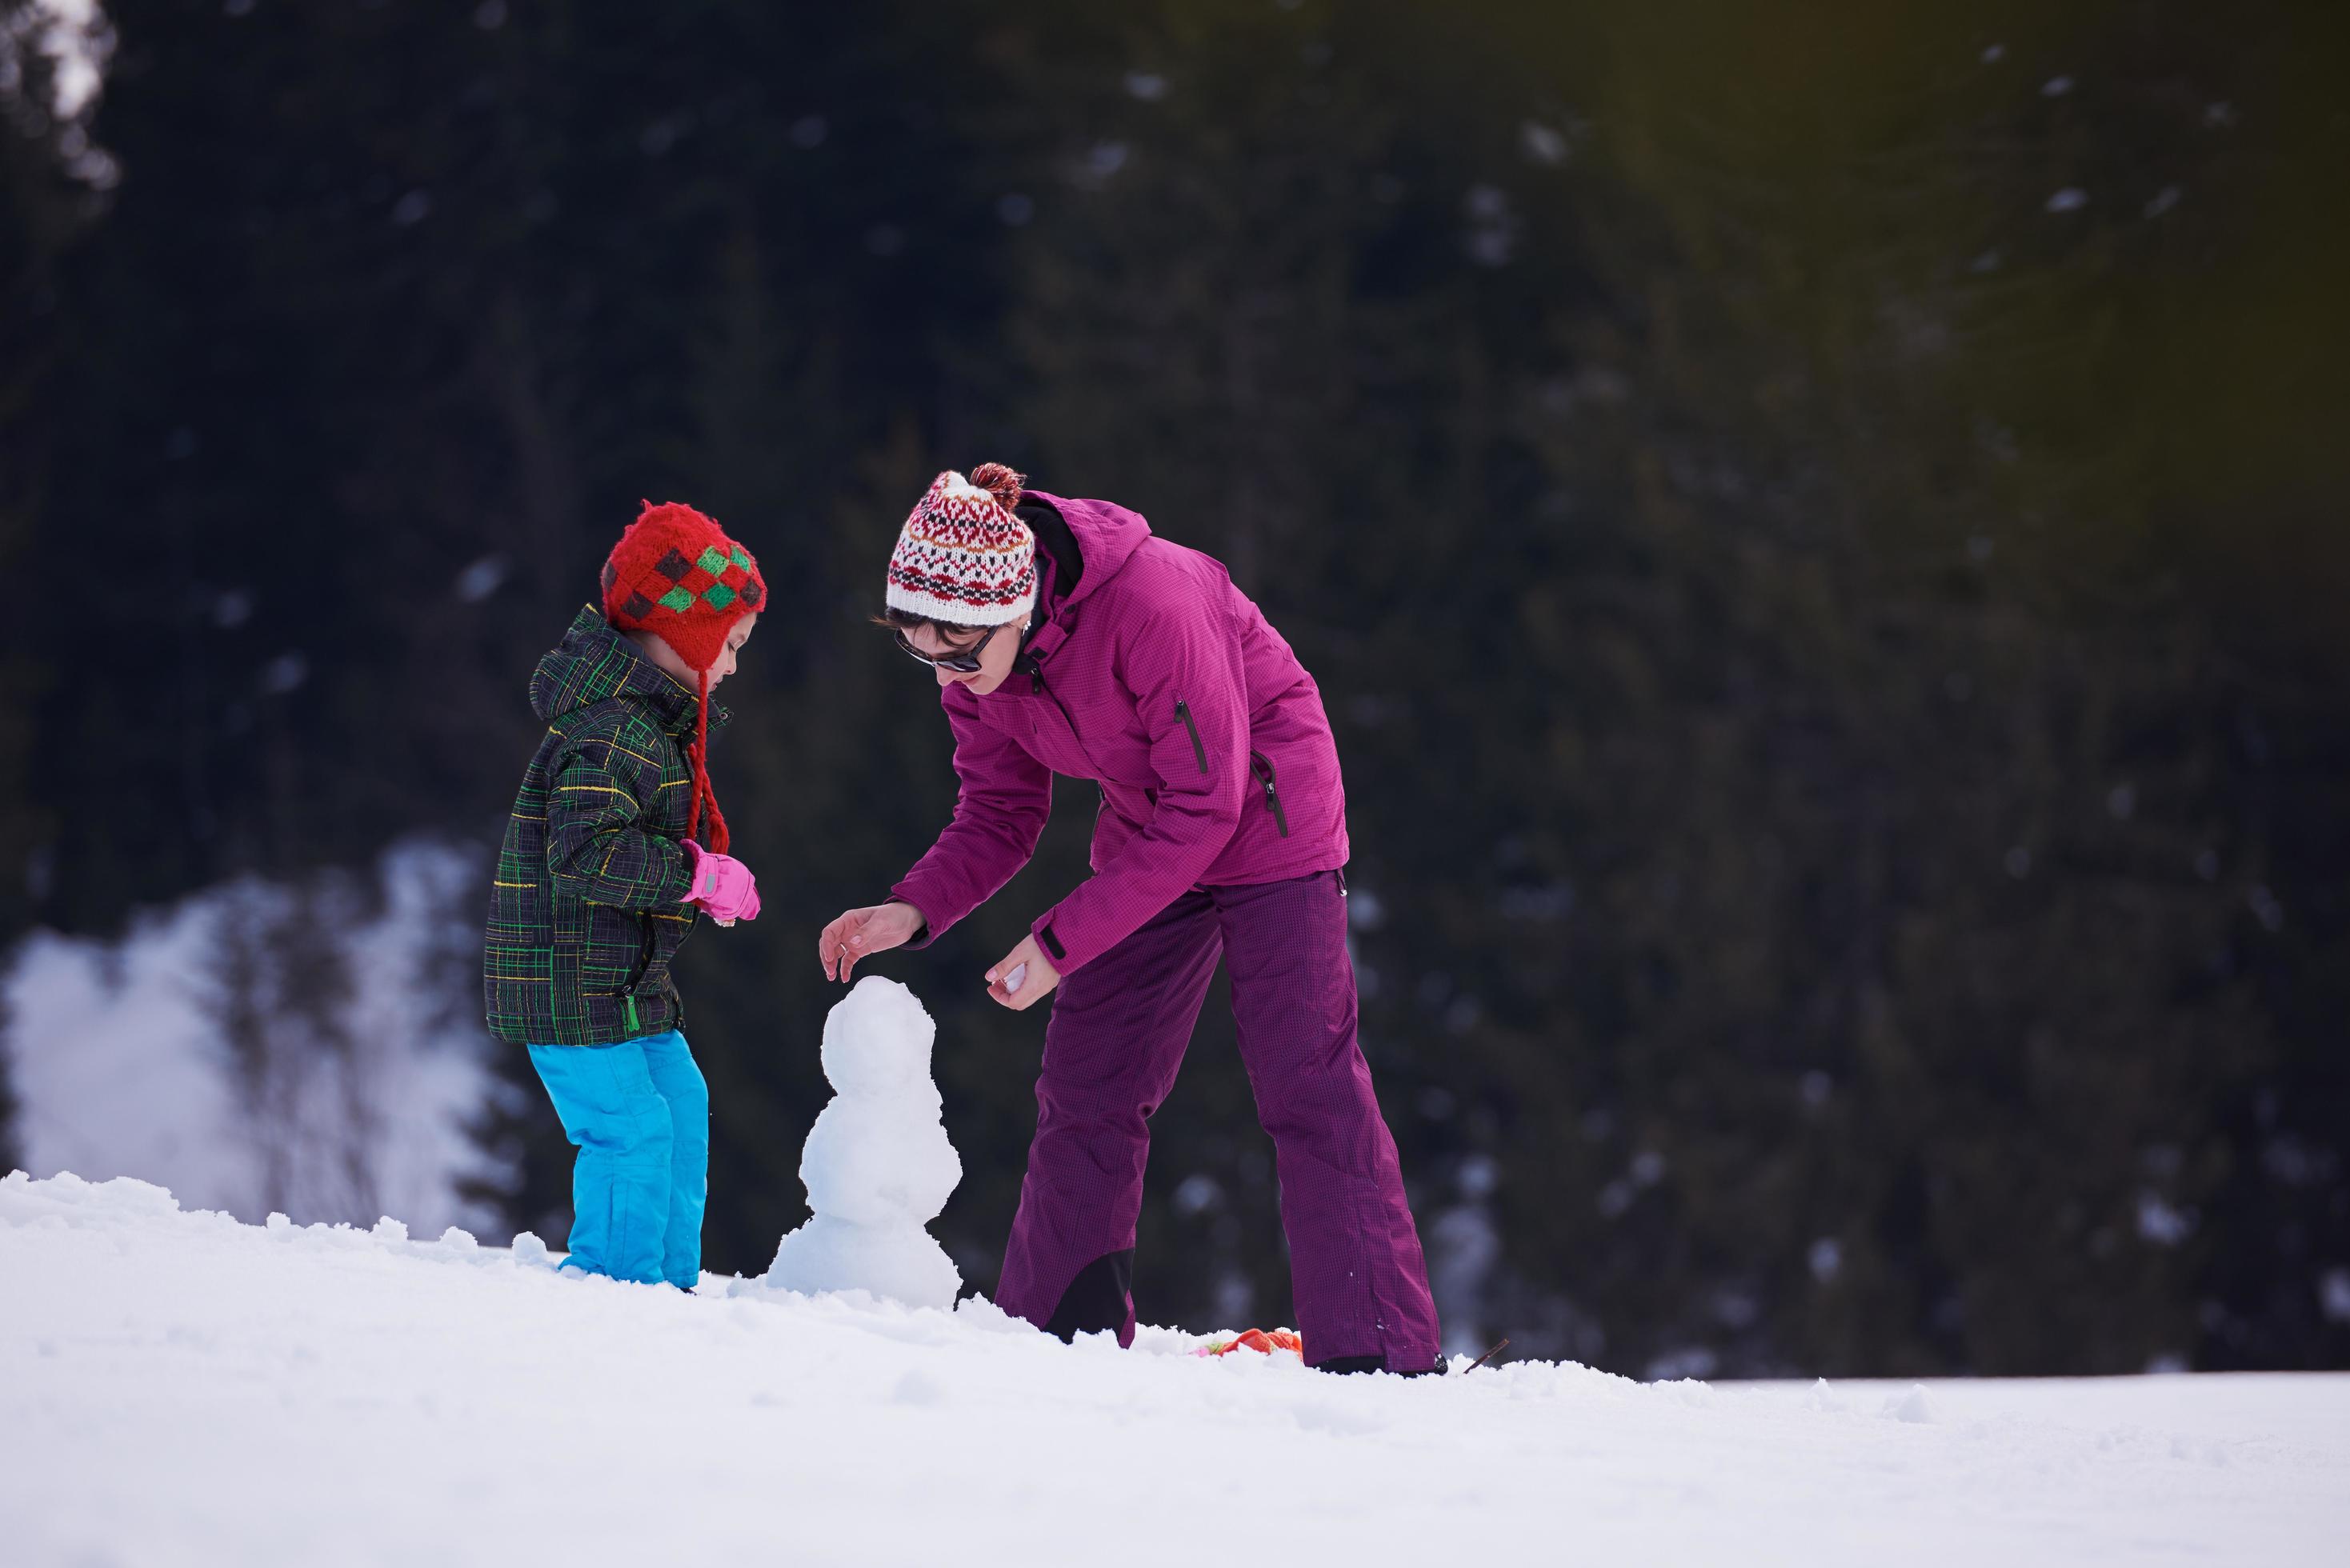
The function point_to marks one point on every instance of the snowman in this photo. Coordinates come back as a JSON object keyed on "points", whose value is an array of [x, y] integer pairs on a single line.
{"points": [[878, 1163]]}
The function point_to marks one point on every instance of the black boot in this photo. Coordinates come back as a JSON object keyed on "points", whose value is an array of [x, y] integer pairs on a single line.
{"points": [[1097, 1300], [1345, 1363]]}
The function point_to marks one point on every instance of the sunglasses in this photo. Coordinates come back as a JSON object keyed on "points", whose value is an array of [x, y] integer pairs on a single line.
{"points": [[963, 663]]}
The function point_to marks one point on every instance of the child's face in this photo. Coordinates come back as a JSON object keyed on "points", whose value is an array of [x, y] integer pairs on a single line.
{"points": [[665, 658], [735, 642]]}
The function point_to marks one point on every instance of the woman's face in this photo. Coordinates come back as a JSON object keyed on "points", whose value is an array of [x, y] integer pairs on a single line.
{"points": [[996, 659]]}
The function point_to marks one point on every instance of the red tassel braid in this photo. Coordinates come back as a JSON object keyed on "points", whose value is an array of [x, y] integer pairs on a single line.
{"points": [[698, 754]]}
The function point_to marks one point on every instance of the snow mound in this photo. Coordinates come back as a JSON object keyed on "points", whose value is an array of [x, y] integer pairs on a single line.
{"points": [[877, 1165], [179, 1388]]}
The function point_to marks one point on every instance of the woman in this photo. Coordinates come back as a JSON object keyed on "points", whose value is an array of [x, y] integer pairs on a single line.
{"points": [[1066, 639]]}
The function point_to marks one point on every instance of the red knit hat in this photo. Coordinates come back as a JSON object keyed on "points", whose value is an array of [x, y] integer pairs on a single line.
{"points": [[677, 574]]}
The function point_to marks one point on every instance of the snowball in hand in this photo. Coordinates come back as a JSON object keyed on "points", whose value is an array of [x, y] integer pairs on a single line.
{"points": [[878, 1163]]}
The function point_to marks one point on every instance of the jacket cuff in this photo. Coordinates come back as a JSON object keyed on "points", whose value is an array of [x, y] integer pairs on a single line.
{"points": [[1054, 943], [915, 898], [923, 938], [678, 886]]}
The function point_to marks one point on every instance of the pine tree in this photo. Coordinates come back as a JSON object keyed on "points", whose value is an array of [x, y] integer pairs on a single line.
{"points": [[1877, 771], [46, 199], [1224, 312]]}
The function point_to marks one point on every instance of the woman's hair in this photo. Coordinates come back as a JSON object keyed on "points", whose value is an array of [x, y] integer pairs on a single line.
{"points": [[907, 621], [1003, 483]]}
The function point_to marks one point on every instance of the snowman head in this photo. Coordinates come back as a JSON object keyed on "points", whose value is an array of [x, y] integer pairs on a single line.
{"points": [[877, 1041]]}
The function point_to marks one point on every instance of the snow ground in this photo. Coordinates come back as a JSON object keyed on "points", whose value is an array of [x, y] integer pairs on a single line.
{"points": [[176, 1388]]}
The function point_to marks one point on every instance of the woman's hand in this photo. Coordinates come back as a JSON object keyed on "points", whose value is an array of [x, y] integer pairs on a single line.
{"points": [[1021, 979], [861, 933]]}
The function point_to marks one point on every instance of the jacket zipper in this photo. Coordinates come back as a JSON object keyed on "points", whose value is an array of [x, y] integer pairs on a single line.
{"points": [[1066, 717], [645, 950], [1199, 747], [1036, 675], [1262, 767]]}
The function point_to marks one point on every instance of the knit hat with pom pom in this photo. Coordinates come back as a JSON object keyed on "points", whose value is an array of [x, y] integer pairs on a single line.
{"points": [[962, 557], [677, 574]]}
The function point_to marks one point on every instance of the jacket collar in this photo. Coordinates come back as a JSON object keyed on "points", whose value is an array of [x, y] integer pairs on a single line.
{"points": [[595, 662], [1108, 535]]}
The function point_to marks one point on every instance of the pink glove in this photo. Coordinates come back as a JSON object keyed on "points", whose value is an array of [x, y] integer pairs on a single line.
{"points": [[723, 887]]}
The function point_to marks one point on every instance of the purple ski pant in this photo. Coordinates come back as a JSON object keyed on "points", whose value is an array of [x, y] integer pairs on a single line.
{"points": [[1118, 1034]]}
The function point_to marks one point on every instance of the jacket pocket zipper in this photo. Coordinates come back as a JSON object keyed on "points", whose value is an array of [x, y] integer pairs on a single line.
{"points": [[648, 947], [1262, 767], [1199, 747]]}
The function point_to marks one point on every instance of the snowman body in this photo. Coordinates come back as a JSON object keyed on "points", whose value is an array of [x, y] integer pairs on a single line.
{"points": [[878, 1163]]}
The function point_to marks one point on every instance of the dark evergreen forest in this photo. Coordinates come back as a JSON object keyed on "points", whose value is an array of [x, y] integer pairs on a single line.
{"points": [[1824, 529]]}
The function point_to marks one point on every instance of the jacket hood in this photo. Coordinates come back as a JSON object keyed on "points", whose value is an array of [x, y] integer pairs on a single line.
{"points": [[594, 662], [1108, 535]]}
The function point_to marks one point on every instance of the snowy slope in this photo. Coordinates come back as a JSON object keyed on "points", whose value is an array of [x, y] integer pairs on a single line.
{"points": [[179, 1388]]}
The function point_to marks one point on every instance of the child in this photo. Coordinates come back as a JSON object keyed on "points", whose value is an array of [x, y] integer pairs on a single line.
{"points": [[599, 878]]}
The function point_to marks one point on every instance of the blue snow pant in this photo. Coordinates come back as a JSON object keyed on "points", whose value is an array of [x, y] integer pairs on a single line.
{"points": [[639, 1113]]}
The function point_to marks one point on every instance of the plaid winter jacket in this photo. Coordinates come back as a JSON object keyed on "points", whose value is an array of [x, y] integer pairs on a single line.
{"points": [[584, 913]]}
